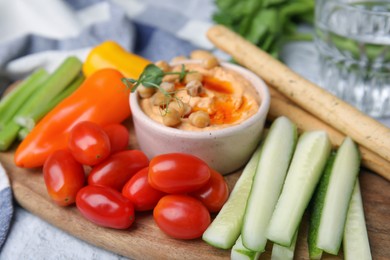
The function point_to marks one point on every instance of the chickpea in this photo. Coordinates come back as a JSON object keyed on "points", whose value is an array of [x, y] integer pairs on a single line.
{"points": [[200, 55], [171, 118], [179, 59], [187, 109], [160, 99], [145, 92], [178, 68], [210, 63], [172, 78], [163, 65], [193, 75], [199, 119], [183, 108], [168, 86], [194, 88]]}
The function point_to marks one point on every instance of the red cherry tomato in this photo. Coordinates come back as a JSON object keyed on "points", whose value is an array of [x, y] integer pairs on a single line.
{"points": [[178, 173], [89, 143], [214, 193], [181, 216], [105, 207], [115, 171], [118, 135], [140, 193], [63, 176]]}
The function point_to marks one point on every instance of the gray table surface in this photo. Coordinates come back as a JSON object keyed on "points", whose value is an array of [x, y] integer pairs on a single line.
{"points": [[32, 238]]}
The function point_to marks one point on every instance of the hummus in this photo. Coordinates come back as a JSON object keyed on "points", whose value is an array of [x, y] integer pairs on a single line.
{"points": [[226, 96]]}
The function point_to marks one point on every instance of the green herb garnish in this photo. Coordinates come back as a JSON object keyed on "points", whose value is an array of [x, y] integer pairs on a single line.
{"points": [[152, 77], [266, 23]]}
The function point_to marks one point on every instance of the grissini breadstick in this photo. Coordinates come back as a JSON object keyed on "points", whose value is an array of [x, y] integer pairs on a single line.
{"points": [[280, 106], [364, 130]]}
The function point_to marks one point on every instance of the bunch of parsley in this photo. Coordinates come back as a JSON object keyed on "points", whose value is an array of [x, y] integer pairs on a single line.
{"points": [[266, 23]]}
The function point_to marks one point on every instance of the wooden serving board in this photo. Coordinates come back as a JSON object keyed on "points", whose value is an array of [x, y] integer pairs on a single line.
{"points": [[144, 240]]}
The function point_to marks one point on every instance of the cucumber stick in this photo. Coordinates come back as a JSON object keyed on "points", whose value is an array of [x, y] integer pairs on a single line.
{"points": [[342, 179], [282, 252], [355, 242], [317, 203], [240, 252], [225, 229], [308, 162], [275, 158]]}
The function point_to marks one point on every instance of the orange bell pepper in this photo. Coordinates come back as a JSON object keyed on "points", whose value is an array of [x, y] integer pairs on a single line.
{"points": [[110, 54], [102, 99]]}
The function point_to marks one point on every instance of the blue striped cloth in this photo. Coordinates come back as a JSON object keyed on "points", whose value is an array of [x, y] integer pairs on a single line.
{"points": [[53, 30], [6, 207]]}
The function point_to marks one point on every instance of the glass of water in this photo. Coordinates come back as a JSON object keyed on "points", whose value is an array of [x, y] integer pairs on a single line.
{"points": [[353, 40]]}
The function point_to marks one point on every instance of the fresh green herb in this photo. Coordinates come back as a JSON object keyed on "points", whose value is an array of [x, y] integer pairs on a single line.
{"points": [[266, 23], [152, 77]]}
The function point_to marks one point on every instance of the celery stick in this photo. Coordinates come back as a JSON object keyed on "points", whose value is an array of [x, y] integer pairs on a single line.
{"points": [[240, 252], [316, 205], [355, 242], [54, 85], [282, 252], [8, 134], [22, 133], [36, 115], [338, 194], [305, 170], [10, 104], [226, 227], [278, 149]]}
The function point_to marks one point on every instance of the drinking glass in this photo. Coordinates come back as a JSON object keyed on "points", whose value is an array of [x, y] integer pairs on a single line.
{"points": [[353, 40]]}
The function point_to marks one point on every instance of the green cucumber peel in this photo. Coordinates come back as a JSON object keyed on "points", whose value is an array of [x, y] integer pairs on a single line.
{"points": [[342, 178], [316, 205], [240, 252], [277, 151], [13, 101], [355, 241], [225, 229], [309, 159]]}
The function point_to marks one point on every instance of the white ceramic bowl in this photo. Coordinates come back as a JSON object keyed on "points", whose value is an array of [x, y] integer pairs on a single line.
{"points": [[225, 150]]}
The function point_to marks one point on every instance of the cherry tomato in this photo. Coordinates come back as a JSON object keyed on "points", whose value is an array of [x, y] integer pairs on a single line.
{"points": [[89, 143], [118, 135], [178, 173], [214, 193], [63, 176], [115, 171], [181, 216], [140, 193], [105, 207]]}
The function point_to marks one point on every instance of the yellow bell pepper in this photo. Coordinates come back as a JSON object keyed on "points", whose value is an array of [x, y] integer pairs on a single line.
{"points": [[110, 54]]}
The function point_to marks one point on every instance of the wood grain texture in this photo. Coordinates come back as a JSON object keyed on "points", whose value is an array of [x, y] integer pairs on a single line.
{"points": [[144, 240]]}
